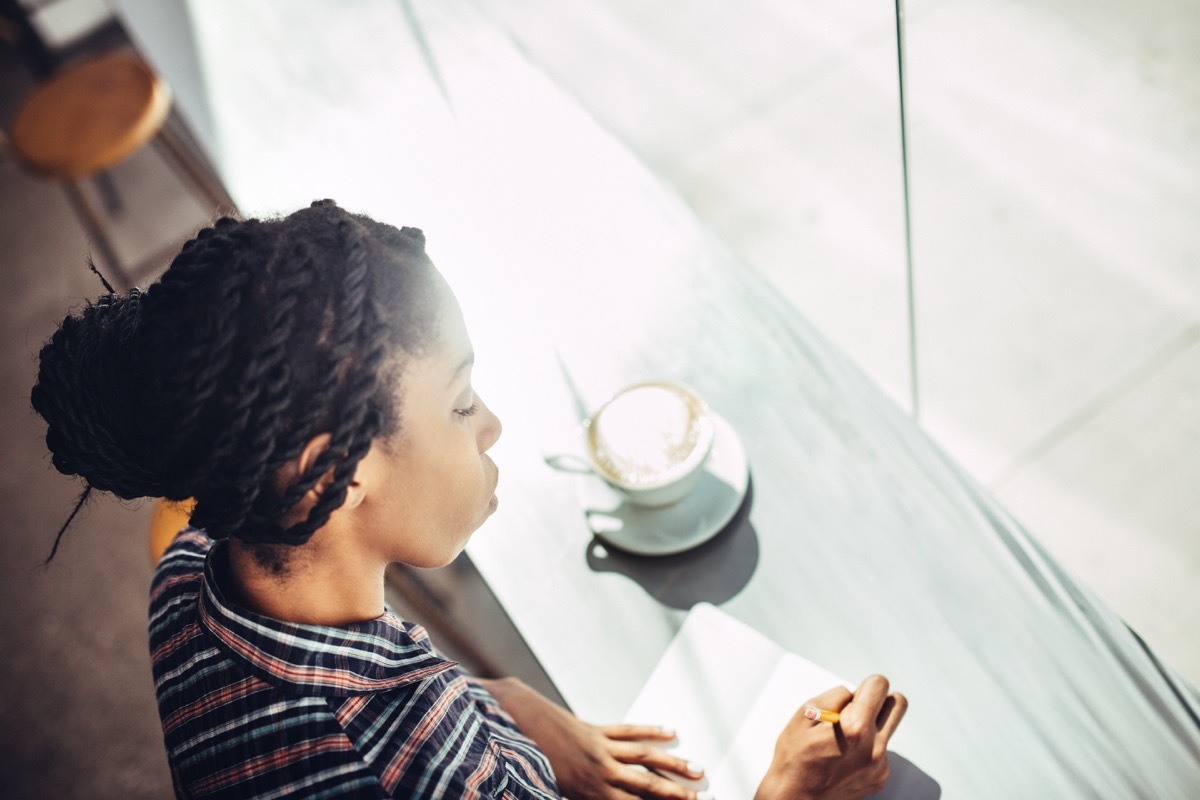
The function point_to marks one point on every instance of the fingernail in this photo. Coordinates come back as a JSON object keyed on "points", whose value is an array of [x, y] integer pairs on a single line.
{"points": [[667, 731], [695, 768]]}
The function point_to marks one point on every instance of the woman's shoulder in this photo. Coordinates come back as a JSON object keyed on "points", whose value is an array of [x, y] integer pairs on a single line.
{"points": [[189, 546], [181, 568]]}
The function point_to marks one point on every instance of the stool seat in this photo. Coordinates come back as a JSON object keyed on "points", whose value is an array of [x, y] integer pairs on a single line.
{"points": [[169, 519], [91, 117]]}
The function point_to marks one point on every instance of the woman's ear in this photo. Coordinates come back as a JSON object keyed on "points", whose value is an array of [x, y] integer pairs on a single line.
{"points": [[308, 456], [364, 474], [290, 473], [355, 490], [303, 462]]}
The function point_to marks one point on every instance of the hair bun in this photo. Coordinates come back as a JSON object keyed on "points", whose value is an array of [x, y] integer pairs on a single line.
{"points": [[87, 391], [259, 336]]}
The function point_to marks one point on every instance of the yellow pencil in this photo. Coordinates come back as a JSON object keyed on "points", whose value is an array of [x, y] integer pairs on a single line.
{"points": [[820, 714]]}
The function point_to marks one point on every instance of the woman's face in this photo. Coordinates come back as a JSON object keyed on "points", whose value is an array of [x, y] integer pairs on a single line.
{"points": [[431, 484]]}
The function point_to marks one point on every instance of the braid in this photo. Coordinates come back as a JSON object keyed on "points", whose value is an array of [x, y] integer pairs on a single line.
{"points": [[244, 450], [202, 362], [79, 503], [360, 332], [260, 335]]}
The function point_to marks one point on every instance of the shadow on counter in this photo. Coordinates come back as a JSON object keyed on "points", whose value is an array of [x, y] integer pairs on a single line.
{"points": [[713, 572]]}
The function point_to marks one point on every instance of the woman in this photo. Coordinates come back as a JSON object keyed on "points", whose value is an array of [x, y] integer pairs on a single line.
{"points": [[308, 381]]}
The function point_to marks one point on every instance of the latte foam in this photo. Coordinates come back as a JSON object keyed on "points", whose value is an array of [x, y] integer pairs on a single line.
{"points": [[646, 434]]}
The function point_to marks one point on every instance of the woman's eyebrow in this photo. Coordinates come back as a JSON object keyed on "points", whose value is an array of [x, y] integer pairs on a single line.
{"points": [[466, 362]]}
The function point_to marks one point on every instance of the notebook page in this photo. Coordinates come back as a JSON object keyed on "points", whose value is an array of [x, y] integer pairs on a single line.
{"points": [[707, 678]]}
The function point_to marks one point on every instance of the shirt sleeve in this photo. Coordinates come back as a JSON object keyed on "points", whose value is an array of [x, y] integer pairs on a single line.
{"points": [[528, 765]]}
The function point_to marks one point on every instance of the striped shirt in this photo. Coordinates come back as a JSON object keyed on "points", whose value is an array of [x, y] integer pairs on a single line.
{"points": [[255, 707]]}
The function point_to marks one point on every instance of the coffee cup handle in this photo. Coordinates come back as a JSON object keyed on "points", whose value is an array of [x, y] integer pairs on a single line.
{"points": [[568, 462], [565, 452]]}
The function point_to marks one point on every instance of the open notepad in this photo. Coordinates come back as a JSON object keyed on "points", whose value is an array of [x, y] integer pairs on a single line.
{"points": [[728, 691]]}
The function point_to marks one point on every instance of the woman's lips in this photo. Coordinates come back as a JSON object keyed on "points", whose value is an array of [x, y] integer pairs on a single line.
{"points": [[495, 500]]}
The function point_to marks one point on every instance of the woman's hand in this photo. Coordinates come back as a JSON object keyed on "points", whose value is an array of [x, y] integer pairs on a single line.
{"points": [[841, 761], [593, 761]]}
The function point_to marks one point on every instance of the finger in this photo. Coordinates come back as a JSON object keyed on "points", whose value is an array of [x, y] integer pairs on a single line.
{"points": [[894, 708], [642, 783], [868, 700], [635, 732], [655, 758]]}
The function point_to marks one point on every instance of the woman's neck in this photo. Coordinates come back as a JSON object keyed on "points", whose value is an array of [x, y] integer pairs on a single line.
{"points": [[317, 586]]}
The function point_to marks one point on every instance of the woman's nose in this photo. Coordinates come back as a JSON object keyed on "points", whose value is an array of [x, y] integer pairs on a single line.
{"points": [[489, 429]]}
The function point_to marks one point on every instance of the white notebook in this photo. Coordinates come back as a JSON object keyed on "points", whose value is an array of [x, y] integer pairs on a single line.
{"points": [[728, 691]]}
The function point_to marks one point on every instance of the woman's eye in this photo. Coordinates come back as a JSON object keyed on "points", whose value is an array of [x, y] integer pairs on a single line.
{"points": [[466, 412]]}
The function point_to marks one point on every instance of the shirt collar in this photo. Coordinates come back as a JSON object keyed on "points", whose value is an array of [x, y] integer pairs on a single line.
{"points": [[373, 656]]}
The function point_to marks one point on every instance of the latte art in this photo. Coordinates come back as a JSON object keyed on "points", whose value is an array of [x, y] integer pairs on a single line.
{"points": [[649, 434]]}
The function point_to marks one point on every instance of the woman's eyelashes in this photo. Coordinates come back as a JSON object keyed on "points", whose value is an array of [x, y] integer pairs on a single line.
{"points": [[466, 412]]}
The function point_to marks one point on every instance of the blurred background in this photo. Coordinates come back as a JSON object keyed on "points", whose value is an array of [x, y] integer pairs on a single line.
{"points": [[1054, 175]]}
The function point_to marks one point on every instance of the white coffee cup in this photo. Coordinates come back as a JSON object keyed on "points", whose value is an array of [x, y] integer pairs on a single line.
{"points": [[649, 442]]}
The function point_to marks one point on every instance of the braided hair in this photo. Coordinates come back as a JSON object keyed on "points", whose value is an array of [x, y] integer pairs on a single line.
{"points": [[261, 335]]}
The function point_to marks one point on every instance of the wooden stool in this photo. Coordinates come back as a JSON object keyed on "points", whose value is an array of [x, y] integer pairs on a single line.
{"points": [[93, 116], [169, 519]]}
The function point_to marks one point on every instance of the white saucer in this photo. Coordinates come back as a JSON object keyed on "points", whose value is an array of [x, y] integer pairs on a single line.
{"points": [[672, 529]]}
